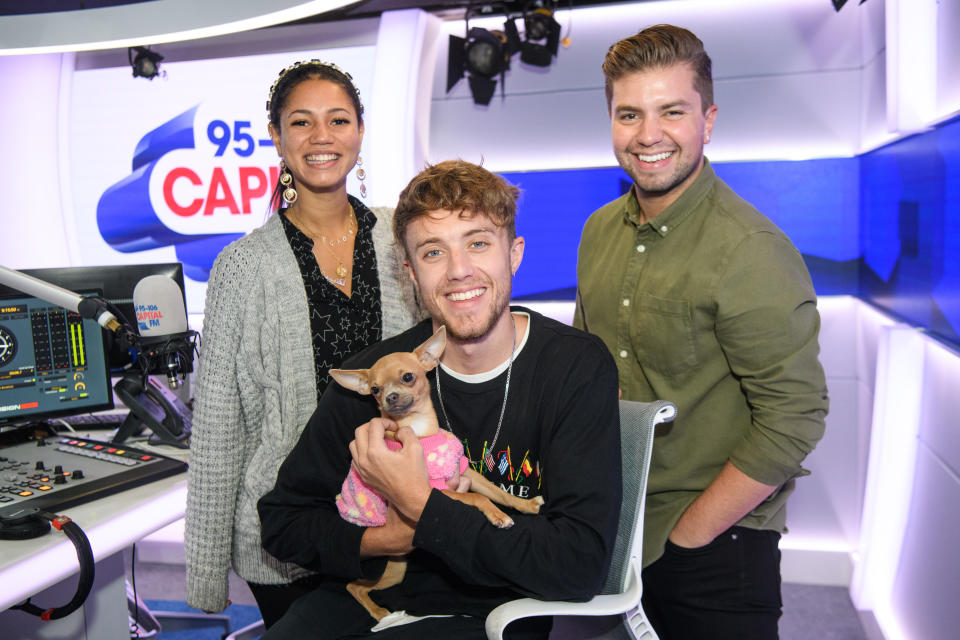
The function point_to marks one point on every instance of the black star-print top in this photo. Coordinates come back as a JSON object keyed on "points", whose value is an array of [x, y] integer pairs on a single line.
{"points": [[341, 325]]}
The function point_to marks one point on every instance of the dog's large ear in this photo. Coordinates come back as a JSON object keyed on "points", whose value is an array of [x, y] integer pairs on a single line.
{"points": [[354, 379], [428, 354]]}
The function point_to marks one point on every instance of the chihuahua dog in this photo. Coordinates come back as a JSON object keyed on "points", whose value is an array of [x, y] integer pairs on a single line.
{"points": [[398, 382]]}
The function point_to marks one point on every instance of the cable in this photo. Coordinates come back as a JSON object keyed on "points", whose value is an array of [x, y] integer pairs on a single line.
{"points": [[133, 584], [65, 424], [87, 570]]}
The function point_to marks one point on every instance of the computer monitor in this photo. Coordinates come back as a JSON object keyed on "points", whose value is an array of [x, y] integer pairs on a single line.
{"points": [[52, 362], [115, 283]]}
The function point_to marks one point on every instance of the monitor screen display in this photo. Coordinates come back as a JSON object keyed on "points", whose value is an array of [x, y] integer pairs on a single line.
{"points": [[52, 362], [115, 283]]}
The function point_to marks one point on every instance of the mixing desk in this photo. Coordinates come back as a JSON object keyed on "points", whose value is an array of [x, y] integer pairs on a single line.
{"points": [[59, 471]]}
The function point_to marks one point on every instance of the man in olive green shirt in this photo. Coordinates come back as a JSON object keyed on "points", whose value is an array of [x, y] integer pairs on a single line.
{"points": [[705, 302]]}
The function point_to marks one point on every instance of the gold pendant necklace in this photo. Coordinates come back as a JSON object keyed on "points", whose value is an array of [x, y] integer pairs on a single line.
{"points": [[341, 271]]}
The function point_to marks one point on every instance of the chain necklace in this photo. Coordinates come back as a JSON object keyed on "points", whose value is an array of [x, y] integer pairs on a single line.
{"points": [[487, 455], [351, 229], [341, 271]]}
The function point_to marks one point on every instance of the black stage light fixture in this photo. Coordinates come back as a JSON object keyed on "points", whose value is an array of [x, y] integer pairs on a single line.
{"points": [[145, 64], [541, 35], [481, 56], [838, 4]]}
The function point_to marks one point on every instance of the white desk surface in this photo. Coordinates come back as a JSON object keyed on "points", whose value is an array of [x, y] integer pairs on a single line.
{"points": [[111, 524]]}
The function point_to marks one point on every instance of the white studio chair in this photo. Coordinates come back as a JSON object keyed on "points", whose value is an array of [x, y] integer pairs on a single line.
{"points": [[252, 630], [622, 590]]}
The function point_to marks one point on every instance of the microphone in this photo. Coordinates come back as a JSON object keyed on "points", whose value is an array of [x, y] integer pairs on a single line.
{"points": [[91, 308], [165, 341]]}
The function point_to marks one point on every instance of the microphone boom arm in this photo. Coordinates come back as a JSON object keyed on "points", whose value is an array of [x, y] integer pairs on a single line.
{"points": [[92, 308]]}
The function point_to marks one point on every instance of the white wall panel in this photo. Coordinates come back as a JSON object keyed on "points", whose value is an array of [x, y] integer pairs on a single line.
{"points": [[824, 512], [569, 130], [871, 323], [948, 58], [924, 598], [873, 110], [906, 570], [838, 336], [940, 426], [873, 81], [786, 117], [396, 134], [30, 208]]}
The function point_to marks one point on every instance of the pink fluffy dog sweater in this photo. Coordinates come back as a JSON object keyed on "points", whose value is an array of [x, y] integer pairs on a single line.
{"points": [[361, 505]]}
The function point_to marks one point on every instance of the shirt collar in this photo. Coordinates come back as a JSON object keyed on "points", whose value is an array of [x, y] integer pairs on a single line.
{"points": [[679, 209]]}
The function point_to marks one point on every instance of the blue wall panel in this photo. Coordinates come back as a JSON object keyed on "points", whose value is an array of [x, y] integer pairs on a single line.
{"points": [[910, 220], [552, 209], [816, 202]]}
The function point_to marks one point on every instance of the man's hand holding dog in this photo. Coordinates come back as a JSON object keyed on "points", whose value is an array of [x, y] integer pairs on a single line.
{"points": [[394, 538], [399, 476]]}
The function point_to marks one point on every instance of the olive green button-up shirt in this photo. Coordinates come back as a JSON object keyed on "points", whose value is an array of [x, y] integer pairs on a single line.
{"points": [[708, 305]]}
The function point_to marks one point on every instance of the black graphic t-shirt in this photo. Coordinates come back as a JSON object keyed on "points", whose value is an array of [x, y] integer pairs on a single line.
{"points": [[471, 411], [341, 326], [560, 439]]}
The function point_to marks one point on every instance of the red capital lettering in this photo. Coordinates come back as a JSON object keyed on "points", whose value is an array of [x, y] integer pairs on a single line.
{"points": [[248, 192], [173, 176], [217, 183]]}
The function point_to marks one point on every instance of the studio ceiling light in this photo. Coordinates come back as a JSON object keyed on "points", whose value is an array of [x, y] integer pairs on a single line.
{"points": [[145, 64], [838, 4], [541, 35], [484, 54], [481, 56]]}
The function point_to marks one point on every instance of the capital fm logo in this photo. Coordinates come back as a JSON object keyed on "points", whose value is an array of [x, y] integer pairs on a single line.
{"points": [[197, 183]]}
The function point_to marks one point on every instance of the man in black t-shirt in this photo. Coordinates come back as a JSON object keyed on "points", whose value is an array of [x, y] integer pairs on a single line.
{"points": [[535, 404]]}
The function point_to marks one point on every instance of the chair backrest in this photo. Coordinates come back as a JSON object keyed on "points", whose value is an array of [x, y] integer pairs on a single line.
{"points": [[637, 423]]}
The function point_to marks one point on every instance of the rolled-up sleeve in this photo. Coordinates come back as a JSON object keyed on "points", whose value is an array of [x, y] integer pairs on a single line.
{"points": [[768, 327]]}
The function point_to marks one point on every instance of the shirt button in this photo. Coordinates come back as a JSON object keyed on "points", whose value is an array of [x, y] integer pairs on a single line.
{"points": [[641, 248], [626, 302], [663, 228], [623, 353]]}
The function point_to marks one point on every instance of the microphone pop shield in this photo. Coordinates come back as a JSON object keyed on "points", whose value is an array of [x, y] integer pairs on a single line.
{"points": [[166, 344], [158, 303]]}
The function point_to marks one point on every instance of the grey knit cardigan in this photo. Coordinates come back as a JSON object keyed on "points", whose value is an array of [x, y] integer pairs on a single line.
{"points": [[256, 388]]}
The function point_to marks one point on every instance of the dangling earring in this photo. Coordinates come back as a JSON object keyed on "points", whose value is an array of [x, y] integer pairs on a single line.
{"points": [[286, 179], [361, 175]]}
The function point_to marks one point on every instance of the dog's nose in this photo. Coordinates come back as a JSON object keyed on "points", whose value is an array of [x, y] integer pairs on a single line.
{"points": [[392, 397]]}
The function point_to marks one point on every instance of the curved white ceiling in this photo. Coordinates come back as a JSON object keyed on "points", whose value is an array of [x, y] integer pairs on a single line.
{"points": [[148, 23]]}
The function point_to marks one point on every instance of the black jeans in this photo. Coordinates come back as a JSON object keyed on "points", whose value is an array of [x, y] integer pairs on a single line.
{"points": [[273, 600], [328, 612], [728, 589]]}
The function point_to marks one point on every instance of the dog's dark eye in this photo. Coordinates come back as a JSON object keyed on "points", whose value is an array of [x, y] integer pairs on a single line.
{"points": [[375, 390], [408, 377]]}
